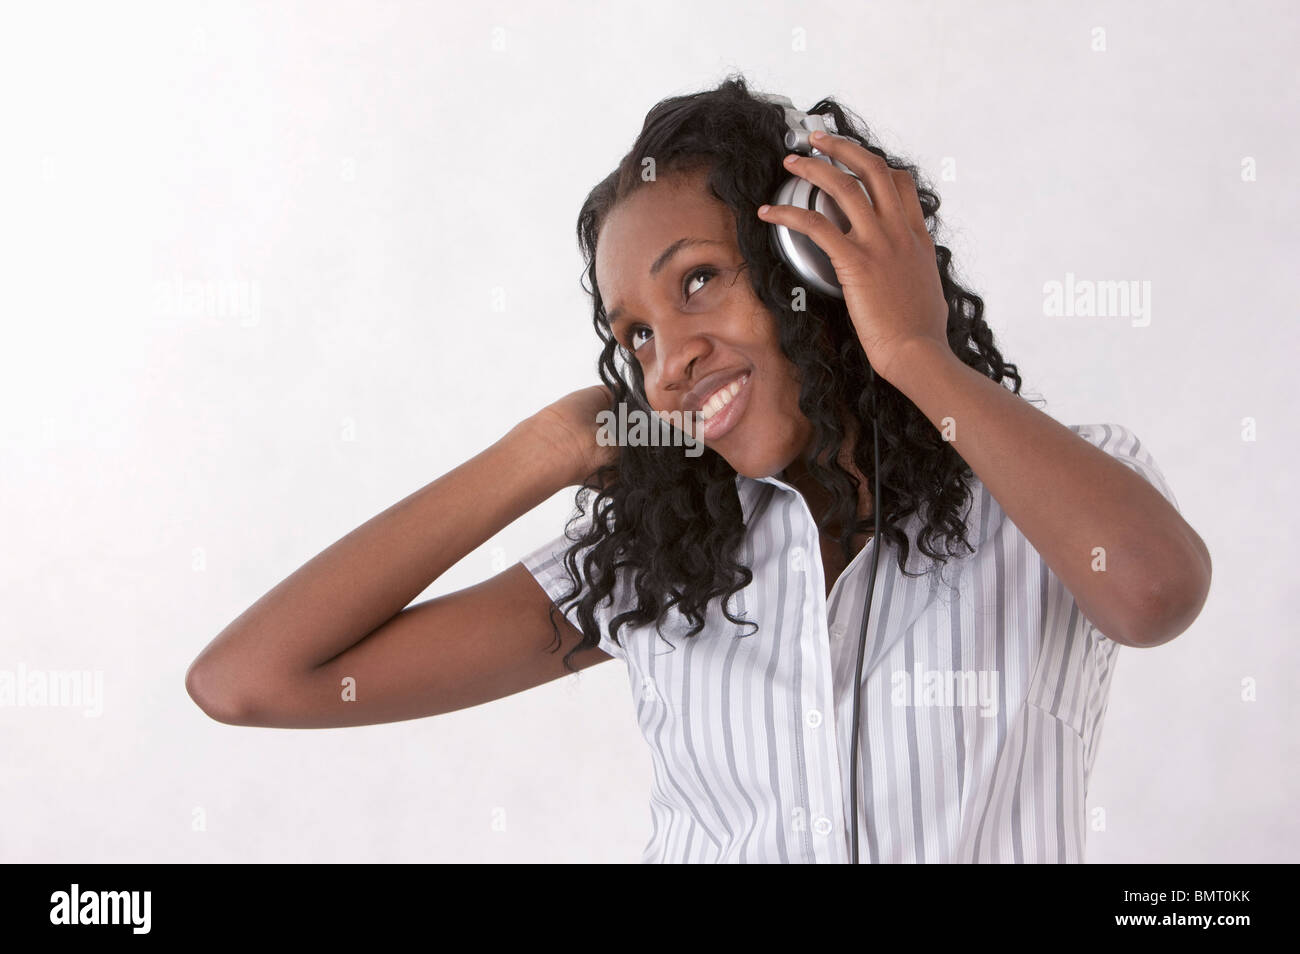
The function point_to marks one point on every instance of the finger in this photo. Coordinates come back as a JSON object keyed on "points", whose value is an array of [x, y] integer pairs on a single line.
{"points": [[825, 233], [871, 169], [912, 210], [849, 193]]}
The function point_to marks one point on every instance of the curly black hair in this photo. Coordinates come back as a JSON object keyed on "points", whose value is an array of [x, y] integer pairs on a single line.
{"points": [[676, 522]]}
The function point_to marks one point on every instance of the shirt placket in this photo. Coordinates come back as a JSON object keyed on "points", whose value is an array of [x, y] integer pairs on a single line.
{"points": [[822, 763], [843, 653]]}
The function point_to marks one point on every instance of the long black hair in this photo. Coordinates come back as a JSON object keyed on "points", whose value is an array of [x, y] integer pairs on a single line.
{"points": [[674, 523]]}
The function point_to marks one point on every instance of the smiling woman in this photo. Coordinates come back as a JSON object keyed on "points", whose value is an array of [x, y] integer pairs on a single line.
{"points": [[745, 556]]}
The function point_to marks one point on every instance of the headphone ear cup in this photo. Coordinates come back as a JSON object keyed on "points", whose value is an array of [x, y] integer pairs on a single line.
{"points": [[809, 263]]}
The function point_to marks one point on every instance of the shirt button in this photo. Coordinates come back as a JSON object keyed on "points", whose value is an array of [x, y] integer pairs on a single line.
{"points": [[796, 559], [822, 825], [813, 718], [837, 631]]}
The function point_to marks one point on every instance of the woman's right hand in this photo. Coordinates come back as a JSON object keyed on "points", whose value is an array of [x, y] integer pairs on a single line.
{"points": [[569, 425]]}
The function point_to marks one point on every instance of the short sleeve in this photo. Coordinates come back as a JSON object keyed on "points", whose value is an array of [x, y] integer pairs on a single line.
{"points": [[1122, 444], [546, 564]]}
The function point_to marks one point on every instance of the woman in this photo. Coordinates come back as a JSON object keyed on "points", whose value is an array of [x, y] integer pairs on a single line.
{"points": [[731, 582]]}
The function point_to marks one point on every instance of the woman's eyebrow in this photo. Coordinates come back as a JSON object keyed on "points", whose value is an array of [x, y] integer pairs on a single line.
{"points": [[660, 263]]}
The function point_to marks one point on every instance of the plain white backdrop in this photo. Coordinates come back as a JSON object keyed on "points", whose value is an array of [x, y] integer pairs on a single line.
{"points": [[269, 268]]}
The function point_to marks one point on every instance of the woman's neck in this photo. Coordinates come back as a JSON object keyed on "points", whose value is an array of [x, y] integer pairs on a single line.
{"points": [[817, 497]]}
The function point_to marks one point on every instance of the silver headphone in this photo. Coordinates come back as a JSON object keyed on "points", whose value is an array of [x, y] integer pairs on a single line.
{"points": [[798, 251]]}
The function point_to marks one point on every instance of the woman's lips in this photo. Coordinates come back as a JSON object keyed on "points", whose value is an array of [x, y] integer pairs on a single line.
{"points": [[725, 419]]}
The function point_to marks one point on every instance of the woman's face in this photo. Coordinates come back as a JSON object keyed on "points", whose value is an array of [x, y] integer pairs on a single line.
{"points": [[671, 277]]}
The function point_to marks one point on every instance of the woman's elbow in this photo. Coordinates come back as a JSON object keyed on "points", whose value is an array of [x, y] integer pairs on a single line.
{"points": [[211, 692]]}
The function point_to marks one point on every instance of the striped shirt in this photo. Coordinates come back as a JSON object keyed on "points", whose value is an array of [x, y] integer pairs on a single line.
{"points": [[983, 694]]}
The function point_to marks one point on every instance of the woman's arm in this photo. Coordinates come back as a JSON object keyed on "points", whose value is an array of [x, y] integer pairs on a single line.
{"points": [[1070, 499], [331, 645]]}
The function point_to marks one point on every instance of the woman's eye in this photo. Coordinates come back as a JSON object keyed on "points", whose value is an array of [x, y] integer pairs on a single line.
{"points": [[696, 273], [632, 336]]}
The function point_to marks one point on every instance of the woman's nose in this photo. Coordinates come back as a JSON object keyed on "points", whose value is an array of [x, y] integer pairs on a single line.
{"points": [[677, 355]]}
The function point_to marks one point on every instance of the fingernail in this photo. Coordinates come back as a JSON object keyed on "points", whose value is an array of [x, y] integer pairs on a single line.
{"points": [[818, 134]]}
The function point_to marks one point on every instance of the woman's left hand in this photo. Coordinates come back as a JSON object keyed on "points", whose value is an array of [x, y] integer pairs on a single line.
{"points": [[886, 262]]}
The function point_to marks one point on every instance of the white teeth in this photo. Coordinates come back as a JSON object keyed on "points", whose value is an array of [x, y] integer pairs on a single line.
{"points": [[721, 398]]}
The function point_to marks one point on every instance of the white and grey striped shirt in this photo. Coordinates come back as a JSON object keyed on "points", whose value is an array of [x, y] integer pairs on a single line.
{"points": [[982, 701]]}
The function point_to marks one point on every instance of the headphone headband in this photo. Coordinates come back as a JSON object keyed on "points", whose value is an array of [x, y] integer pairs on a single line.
{"points": [[801, 124]]}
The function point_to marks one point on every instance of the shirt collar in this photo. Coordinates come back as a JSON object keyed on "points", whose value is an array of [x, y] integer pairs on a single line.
{"points": [[983, 516]]}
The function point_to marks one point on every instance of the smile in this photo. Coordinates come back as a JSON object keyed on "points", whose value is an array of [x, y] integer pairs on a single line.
{"points": [[723, 408]]}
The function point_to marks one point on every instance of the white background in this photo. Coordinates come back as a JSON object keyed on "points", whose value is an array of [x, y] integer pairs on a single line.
{"points": [[377, 172]]}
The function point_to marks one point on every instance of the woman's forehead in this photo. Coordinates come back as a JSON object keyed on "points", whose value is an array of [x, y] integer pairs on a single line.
{"points": [[646, 223]]}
